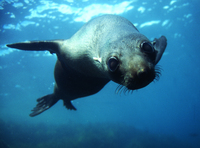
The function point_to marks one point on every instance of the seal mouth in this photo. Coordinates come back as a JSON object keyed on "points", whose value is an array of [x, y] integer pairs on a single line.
{"points": [[129, 84]]}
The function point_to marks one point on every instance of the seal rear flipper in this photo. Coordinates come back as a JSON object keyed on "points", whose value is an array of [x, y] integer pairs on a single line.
{"points": [[159, 45], [68, 105], [52, 46], [44, 103]]}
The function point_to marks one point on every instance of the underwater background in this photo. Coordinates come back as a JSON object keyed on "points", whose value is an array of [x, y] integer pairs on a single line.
{"points": [[165, 114]]}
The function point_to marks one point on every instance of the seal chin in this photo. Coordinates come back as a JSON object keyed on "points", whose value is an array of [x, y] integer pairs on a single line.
{"points": [[133, 85], [141, 79], [136, 79]]}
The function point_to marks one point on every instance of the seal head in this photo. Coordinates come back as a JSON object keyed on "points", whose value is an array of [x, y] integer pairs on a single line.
{"points": [[132, 64]]}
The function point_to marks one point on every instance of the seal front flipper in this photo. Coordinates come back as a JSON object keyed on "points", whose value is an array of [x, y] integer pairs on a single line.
{"points": [[52, 46], [44, 103], [159, 45]]}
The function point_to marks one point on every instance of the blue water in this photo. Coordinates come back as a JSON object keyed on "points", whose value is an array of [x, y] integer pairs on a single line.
{"points": [[163, 114]]}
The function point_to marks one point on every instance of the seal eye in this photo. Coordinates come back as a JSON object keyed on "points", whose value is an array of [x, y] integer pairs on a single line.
{"points": [[147, 47], [113, 64]]}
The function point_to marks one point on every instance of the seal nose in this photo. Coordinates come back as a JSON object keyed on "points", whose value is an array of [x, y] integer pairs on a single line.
{"points": [[142, 73]]}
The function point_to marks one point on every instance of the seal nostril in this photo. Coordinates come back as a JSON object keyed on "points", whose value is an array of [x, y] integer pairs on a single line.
{"points": [[142, 73]]}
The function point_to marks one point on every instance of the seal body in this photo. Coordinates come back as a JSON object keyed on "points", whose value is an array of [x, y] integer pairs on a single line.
{"points": [[106, 48]]}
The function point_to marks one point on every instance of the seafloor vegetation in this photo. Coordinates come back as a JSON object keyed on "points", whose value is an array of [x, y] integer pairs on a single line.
{"points": [[73, 135]]}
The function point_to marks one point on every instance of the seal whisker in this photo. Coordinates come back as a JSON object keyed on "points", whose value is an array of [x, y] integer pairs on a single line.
{"points": [[116, 90], [119, 87], [125, 90], [122, 88], [131, 91], [158, 70], [128, 91]]}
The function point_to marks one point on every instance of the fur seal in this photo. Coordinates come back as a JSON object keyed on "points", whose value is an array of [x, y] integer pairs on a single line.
{"points": [[106, 48]]}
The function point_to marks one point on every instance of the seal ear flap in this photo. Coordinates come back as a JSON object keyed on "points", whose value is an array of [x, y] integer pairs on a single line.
{"points": [[159, 45], [52, 45]]}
